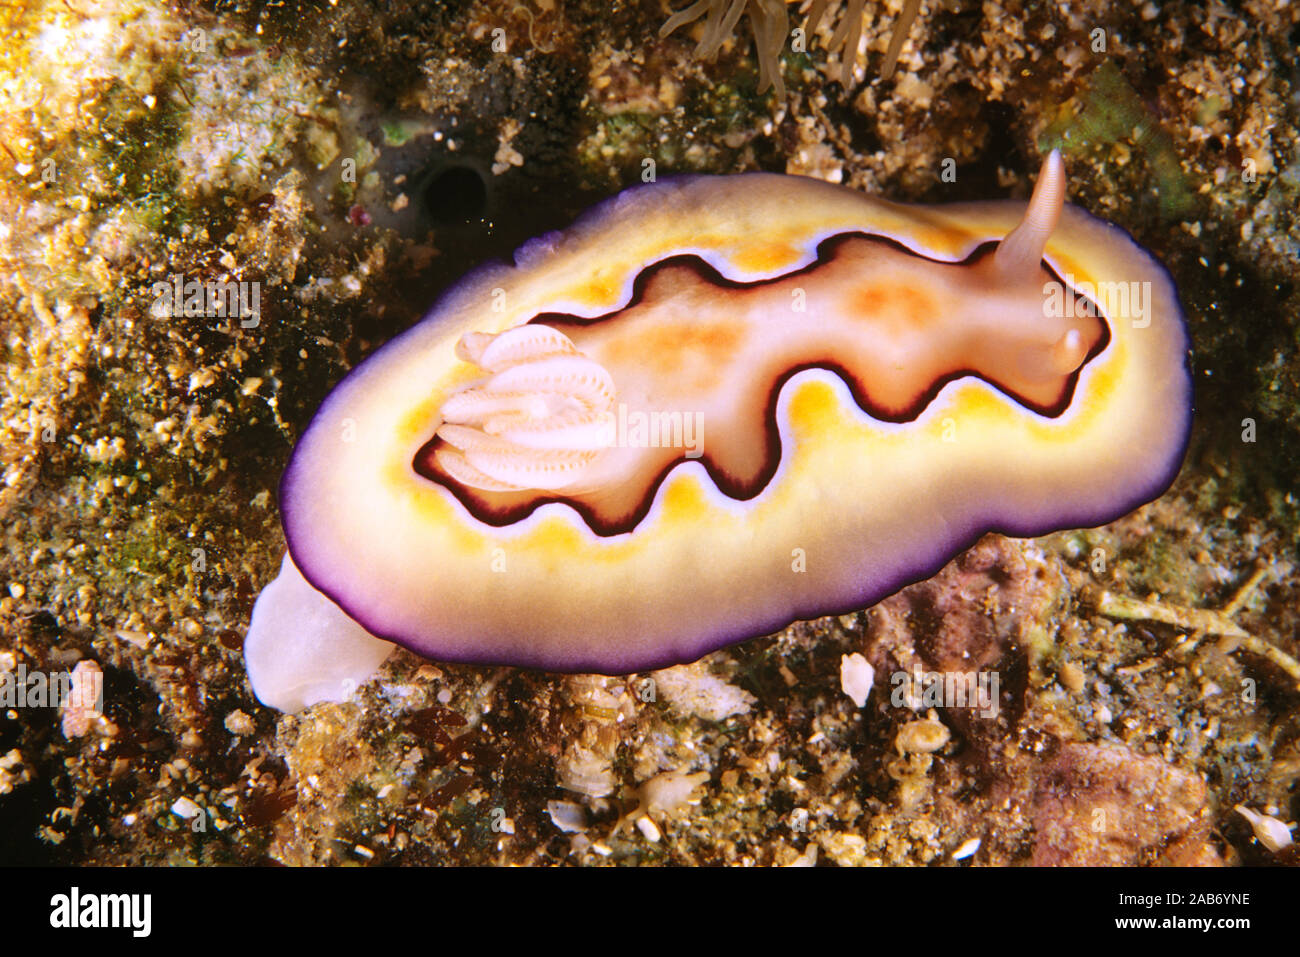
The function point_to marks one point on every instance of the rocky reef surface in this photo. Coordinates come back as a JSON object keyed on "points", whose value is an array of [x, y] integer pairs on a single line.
{"points": [[347, 161]]}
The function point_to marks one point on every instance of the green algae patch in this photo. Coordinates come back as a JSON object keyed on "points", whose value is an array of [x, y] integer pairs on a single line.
{"points": [[1108, 111]]}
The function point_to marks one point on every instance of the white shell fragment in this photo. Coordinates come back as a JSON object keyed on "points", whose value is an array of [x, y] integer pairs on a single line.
{"points": [[807, 859], [186, 808], [1272, 833], [856, 677], [694, 690], [649, 829], [302, 649], [567, 816], [85, 699], [922, 736]]}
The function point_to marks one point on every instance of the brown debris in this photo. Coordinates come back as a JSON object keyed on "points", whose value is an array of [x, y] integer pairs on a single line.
{"points": [[1106, 806]]}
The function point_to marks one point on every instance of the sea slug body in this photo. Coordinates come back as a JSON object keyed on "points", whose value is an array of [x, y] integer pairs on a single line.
{"points": [[713, 406]]}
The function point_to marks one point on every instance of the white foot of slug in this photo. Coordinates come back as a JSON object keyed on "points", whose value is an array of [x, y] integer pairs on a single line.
{"points": [[302, 649]]}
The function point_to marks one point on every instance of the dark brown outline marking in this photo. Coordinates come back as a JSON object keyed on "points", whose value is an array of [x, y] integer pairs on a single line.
{"points": [[424, 464]]}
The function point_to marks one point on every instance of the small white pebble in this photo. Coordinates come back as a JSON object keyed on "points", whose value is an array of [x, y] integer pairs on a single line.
{"points": [[579, 844], [85, 698], [807, 859], [649, 829], [856, 677], [671, 791], [185, 808], [137, 638], [922, 736], [567, 816], [1272, 833], [238, 723], [967, 849]]}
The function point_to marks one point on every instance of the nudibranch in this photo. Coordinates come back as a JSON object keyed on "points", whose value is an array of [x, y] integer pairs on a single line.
{"points": [[713, 406]]}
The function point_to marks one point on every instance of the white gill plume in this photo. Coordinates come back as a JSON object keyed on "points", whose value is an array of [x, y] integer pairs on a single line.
{"points": [[537, 422]]}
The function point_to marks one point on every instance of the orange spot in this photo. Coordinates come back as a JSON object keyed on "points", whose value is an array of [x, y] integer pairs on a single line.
{"points": [[765, 257], [978, 403], [427, 504], [554, 540], [814, 410], [672, 349], [892, 305], [417, 424], [684, 502], [601, 290]]}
